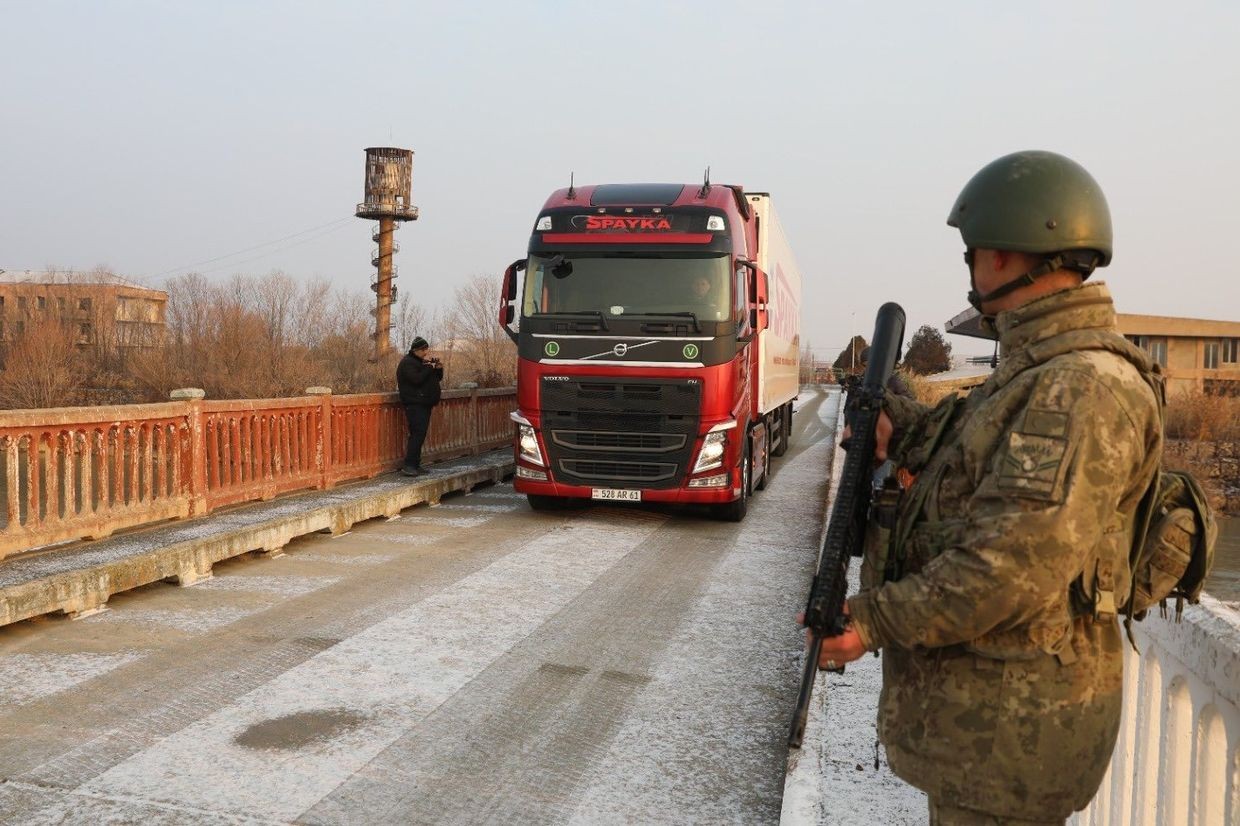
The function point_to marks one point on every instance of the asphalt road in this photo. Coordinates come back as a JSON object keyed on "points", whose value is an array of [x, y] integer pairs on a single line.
{"points": [[473, 662]]}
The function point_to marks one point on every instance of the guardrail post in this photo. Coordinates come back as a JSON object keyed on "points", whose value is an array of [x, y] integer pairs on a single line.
{"points": [[323, 453], [196, 477], [475, 427]]}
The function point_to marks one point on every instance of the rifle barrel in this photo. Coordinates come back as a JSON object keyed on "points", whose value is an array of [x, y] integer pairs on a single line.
{"points": [[824, 610]]}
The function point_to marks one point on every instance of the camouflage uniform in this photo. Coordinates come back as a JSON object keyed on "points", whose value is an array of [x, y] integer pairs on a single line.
{"points": [[1002, 672]]}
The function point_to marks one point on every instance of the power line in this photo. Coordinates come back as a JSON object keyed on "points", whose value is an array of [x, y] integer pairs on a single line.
{"points": [[340, 226], [255, 247]]}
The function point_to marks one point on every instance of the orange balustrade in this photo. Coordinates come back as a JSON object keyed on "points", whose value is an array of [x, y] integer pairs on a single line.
{"points": [[84, 472]]}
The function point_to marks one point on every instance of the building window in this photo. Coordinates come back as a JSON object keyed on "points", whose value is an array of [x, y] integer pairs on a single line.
{"points": [[1157, 348], [21, 303], [83, 333], [1209, 358], [60, 307], [40, 302], [1231, 350]]}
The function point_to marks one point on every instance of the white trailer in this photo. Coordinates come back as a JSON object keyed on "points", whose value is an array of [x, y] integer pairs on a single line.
{"points": [[779, 345]]}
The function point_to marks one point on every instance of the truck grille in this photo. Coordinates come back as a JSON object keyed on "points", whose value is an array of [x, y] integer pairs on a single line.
{"points": [[619, 471], [640, 431], [636, 442]]}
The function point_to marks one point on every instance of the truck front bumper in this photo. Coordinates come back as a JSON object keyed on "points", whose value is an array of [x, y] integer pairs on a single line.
{"points": [[680, 496]]}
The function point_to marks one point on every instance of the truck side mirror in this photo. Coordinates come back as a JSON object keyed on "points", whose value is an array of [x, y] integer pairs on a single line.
{"points": [[508, 294], [761, 302], [758, 301]]}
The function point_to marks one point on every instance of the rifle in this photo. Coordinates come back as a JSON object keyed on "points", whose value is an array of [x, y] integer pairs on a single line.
{"points": [[824, 611]]}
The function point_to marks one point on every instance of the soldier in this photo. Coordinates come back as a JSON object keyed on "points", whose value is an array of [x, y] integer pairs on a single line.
{"points": [[995, 602]]}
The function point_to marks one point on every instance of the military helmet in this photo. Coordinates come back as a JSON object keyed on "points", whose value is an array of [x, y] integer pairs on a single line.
{"points": [[1034, 202]]}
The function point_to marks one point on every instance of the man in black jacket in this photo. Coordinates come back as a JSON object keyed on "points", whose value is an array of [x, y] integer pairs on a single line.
{"points": [[417, 379]]}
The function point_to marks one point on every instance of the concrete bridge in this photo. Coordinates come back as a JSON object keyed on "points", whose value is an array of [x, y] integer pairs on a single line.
{"points": [[391, 651]]}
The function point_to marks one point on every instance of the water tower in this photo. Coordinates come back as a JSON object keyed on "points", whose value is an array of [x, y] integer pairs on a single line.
{"points": [[389, 178]]}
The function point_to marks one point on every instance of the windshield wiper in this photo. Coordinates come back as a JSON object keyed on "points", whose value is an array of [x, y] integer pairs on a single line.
{"points": [[697, 328], [579, 314]]}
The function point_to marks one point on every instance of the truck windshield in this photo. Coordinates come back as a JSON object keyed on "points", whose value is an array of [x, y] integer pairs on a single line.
{"points": [[628, 285]]}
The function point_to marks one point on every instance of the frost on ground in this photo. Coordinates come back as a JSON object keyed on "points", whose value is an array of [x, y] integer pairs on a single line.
{"points": [[348, 559], [480, 507], [191, 620], [27, 677], [432, 519], [387, 678], [290, 586], [410, 539], [832, 778]]}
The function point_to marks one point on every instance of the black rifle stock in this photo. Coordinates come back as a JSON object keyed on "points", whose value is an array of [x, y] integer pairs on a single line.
{"points": [[824, 611]]}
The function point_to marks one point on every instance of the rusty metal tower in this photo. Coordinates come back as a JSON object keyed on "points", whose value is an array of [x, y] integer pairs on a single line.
{"points": [[389, 178]]}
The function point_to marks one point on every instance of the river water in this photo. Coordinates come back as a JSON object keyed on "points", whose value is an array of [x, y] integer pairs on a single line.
{"points": [[1224, 581]]}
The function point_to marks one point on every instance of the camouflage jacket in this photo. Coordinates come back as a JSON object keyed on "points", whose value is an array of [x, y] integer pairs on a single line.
{"points": [[1002, 666]]}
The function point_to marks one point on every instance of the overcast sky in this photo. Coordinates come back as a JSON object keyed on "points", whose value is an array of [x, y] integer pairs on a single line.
{"points": [[151, 136]]}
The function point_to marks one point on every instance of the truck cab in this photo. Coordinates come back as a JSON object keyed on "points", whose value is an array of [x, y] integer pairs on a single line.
{"points": [[639, 315]]}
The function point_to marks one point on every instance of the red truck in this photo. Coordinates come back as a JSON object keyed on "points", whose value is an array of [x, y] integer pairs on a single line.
{"points": [[657, 330]]}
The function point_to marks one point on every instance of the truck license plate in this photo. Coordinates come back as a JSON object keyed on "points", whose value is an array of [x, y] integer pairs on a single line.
{"points": [[614, 494]]}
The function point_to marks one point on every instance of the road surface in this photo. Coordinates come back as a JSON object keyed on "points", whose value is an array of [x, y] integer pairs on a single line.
{"points": [[472, 662]]}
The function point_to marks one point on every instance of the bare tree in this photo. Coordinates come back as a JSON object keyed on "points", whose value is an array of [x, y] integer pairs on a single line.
{"points": [[41, 368], [806, 375], [411, 320], [482, 349]]}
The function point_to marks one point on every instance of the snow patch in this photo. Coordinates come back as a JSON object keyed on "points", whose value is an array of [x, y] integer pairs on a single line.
{"points": [[290, 586], [28, 677]]}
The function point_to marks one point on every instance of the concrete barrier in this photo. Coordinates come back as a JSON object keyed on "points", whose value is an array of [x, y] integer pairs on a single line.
{"points": [[1177, 761]]}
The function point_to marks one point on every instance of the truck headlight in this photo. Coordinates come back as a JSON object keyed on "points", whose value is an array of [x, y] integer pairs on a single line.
{"points": [[527, 445], [711, 454]]}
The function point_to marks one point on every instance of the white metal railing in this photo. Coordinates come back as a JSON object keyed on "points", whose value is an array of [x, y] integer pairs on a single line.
{"points": [[1177, 762]]}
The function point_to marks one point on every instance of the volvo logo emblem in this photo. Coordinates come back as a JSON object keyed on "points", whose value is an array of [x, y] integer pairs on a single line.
{"points": [[620, 349]]}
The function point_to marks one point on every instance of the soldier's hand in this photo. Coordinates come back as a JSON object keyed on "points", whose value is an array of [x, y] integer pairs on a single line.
{"points": [[882, 436], [837, 651]]}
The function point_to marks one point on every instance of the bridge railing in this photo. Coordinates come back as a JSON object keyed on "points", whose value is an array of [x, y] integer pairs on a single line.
{"points": [[1177, 760], [85, 472]]}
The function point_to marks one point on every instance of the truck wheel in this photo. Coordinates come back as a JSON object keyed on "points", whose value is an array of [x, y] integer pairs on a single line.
{"points": [[785, 429], [735, 511]]}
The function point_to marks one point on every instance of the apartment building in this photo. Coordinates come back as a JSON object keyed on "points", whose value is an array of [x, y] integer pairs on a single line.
{"points": [[100, 308], [1196, 354]]}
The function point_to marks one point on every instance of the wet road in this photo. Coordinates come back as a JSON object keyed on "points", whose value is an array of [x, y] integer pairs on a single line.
{"points": [[471, 662]]}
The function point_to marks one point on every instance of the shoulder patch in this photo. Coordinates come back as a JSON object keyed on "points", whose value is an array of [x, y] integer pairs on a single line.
{"points": [[1045, 422], [1030, 465]]}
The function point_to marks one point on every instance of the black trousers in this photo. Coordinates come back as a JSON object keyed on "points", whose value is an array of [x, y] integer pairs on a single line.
{"points": [[419, 418]]}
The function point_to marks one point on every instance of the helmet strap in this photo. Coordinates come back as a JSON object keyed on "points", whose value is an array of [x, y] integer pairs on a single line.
{"points": [[1049, 266]]}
